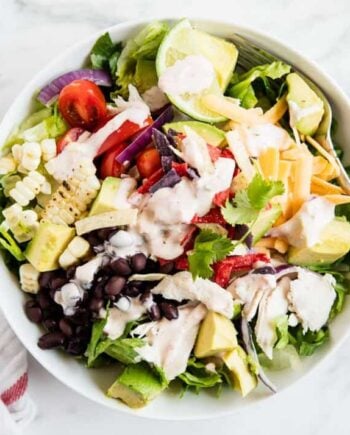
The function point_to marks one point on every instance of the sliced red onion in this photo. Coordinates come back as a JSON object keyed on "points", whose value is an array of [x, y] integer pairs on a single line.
{"points": [[192, 174], [166, 162], [168, 180], [247, 337], [144, 138], [49, 92], [265, 270], [284, 270]]}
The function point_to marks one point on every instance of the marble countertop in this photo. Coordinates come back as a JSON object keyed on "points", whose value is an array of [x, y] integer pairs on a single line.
{"points": [[31, 33]]}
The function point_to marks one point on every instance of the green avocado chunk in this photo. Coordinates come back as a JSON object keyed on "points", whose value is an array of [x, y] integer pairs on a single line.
{"points": [[334, 244], [136, 386], [49, 242], [105, 200], [212, 135], [265, 221], [216, 334], [305, 107], [241, 377]]}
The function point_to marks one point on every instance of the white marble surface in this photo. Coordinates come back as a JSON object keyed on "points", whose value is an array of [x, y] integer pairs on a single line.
{"points": [[31, 33]]}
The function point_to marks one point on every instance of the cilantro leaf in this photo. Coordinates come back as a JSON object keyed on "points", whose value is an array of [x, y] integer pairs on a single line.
{"points": [[209, 247], [261, 191], [242, 213]]}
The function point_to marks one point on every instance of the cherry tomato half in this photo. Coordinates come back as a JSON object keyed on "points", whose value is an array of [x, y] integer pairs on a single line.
{"points": [[148, 162], [82, 104], [109, 167], [70, 136]]}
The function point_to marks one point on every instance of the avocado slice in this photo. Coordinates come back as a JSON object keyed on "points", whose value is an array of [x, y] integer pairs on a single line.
{"points": [[136, 386], [212, 135], [216, 334], [305, 107], [145, 75], [241, 377], [49, 242], [105, 199], [334, 244], [265, 221]]}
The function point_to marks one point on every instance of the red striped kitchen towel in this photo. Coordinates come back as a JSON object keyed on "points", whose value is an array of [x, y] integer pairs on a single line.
{"points": [[16, 408]]}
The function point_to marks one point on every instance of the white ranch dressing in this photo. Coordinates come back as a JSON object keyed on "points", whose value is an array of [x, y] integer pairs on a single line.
{"points": [[68, 297], [297, 113], [134, 110], [126, 243], [260, 137], [155, 98], [164, 219], [126, 187], [305, 227], [118, 319], [190, 75]]}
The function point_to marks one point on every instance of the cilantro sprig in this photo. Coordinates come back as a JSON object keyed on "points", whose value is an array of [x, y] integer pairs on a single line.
{"points": [[249, 202], [209, 247]]}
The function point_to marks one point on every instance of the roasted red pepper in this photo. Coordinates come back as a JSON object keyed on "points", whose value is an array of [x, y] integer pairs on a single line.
{"points": [[148, 182], [226, 153], [220, 198], [214, 216], [223, 269], [214, 152], [180, 168], [181, 263]]}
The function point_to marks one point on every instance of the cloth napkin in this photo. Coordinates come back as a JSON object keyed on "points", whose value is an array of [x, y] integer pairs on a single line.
{"points": [[16, 407]]}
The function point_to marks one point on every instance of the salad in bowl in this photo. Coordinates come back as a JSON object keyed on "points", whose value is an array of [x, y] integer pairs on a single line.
{"points": [[173, 216]]}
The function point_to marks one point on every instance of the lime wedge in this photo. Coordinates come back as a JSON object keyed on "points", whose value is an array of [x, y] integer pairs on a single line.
{"points": [[183, 40]]}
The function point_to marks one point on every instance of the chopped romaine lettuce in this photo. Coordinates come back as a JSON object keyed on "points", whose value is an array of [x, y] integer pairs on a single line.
{"points": [[197, 376], [282, 332], [282, 359], [306, 344], [242, 85], [143, 46]]}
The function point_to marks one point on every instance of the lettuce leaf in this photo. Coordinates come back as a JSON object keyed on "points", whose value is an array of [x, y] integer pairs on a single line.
{"points": [[8, 243], [306, 344], [198, 377], [242, 85], [143, 46]]}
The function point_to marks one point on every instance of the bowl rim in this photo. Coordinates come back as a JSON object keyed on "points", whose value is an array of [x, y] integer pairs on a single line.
{"points": [[268, 40]]}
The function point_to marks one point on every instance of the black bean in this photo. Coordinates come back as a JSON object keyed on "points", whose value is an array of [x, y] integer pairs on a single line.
{"points": [[52, 311], [115, 285], [154, 312], [138, 262], [43, 299], [167, 267], [70, 272], [57, 282], [51, 340], [76, 346], [131, 290], [65, 327], [146, 295], [30, 303], [106, 233], [34, 314], [81, 316], [45, 277], [83, 332], [121, 267], [92, 238], [98, 291], [138, 284], [169, 310], [50, 325], [95, 304], [151, 266]]}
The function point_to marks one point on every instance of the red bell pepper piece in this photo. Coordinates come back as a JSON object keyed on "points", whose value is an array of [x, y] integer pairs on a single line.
{"points": [[220, 198], [124, 132], [148, 182], [213, 216], [214, 152], [234, 263], [180, 168], [181, 263], [226, 153]]}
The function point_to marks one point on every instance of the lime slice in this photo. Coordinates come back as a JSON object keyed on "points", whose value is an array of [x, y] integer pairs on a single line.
{"points": [[183, 40]]}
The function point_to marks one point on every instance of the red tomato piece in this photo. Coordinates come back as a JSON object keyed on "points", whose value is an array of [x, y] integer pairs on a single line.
{"points": [[181, 263], [124, 132], [82, 104], [70, 136], [109, 167], [148, 162], [226, 153], [214, 152]]}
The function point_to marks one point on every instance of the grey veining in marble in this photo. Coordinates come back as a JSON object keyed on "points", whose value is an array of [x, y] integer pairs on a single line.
{"points": [[31, 33]]}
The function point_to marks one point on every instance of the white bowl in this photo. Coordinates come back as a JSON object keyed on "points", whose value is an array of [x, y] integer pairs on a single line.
{"points": [[93, 383]]}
